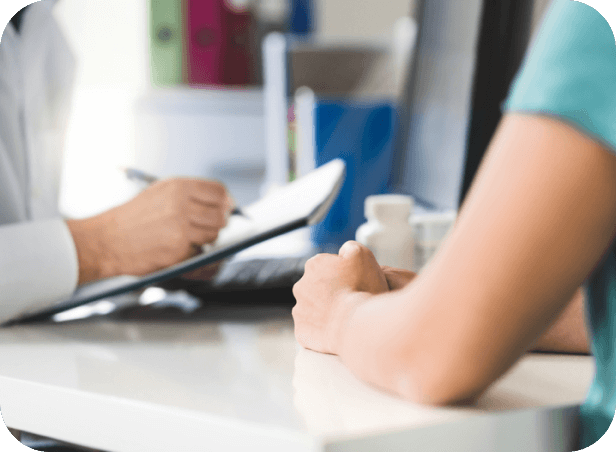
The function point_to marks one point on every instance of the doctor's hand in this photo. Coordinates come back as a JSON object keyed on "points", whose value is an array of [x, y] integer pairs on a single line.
{"points": [[332, 286], [163, 225]]}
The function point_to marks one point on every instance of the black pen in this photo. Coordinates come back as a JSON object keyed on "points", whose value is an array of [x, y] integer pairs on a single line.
{"points": [[135, 174]]}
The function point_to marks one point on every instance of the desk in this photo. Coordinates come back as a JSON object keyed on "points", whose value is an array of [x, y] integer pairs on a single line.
{"points": [[242, 383]]}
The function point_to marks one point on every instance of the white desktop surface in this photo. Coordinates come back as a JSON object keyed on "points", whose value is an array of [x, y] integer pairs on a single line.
{"points": [[245, 384]]}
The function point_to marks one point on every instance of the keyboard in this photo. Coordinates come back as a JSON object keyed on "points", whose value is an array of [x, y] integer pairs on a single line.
{"points": [[256, 282], [265, 283], [259, 273]]}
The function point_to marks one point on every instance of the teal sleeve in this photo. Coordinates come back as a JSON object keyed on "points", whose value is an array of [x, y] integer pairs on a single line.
{"points": [[570, 72]]}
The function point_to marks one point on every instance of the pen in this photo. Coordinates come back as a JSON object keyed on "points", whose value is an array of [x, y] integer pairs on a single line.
{"points": [[135, 174]]}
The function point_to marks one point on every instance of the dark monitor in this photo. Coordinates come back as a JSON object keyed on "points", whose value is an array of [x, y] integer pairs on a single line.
{"points": [[467, 53], [18, 17], [505, 28]]}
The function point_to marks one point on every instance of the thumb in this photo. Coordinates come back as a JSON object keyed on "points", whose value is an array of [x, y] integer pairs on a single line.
{"points": [[349, 249]]}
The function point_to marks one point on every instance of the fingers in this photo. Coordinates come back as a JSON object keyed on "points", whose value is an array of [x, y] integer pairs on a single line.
{"points": [[350, 249], [229, 205], [200, 206], [203, 221], [207, 192], [397, 278], [212, 194], [200, 236], [316, 263], [205, 216], [206, 211], [395, 281], [354, 250]]}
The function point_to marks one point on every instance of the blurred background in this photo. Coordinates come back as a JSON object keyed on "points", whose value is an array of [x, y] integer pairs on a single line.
{"points": [[203, 88]]}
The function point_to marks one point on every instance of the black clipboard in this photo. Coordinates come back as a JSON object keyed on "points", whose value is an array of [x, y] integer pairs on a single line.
{"points": [[300, 203]]}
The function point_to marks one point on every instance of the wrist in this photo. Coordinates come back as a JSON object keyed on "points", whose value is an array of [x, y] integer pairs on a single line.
{"points": [[343, 315], [93, 257]]}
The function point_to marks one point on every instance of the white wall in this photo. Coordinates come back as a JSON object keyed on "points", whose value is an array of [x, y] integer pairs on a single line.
{"points": [[358, 18], [110, 42], [109, 39]]}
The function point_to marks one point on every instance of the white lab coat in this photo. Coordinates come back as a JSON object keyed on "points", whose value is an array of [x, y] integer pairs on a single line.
{"points": [[38, 260]]}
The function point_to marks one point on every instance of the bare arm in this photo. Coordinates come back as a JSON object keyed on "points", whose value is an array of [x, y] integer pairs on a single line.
{"points": [[567, 334], [537, 220]]}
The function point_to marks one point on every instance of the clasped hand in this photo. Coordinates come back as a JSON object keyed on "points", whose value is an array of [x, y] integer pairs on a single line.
{"points": [[332, 287]]}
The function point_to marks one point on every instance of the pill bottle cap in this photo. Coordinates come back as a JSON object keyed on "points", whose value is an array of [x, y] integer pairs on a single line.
{"points": [[386, 208]]}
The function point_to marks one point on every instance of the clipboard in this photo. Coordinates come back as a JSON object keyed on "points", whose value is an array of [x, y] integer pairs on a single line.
{"points": [[303, 202]]}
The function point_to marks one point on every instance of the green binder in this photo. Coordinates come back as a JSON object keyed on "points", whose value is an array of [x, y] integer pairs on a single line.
{"points": [[166, 42]]}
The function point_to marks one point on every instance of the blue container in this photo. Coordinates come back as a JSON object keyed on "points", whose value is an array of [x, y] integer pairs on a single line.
{"points": [[300, 18], [363, 135]]}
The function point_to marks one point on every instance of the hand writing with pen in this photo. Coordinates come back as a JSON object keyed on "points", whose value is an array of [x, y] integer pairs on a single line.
{"points": [[165, 224]]}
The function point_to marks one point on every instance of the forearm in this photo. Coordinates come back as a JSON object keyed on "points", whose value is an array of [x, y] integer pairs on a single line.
{"points": [[398, 342], [537, 220], [568, 334], [392, 341]]}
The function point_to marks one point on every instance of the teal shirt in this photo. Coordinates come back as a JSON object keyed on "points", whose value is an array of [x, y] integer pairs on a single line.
{"points": [[570, 74]]}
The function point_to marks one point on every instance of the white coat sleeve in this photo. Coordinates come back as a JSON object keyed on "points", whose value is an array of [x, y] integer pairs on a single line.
{"points": [[38, 266]]}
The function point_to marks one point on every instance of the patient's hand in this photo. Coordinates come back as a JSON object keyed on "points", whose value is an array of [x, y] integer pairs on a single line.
{"points": [[328, 291], [397, 278]]}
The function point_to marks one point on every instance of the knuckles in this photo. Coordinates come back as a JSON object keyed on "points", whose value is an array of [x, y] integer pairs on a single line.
{"points": [[362, 252], [316, 262], [297, 291], [214, 191], [218, 218]]}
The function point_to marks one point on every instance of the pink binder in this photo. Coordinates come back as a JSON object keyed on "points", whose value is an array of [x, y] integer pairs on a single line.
{"points": [[205, 41], [218, 44], [237, 64]]}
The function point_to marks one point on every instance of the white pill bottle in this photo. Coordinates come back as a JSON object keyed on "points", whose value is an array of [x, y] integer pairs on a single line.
{"points": [[388, 232]]}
